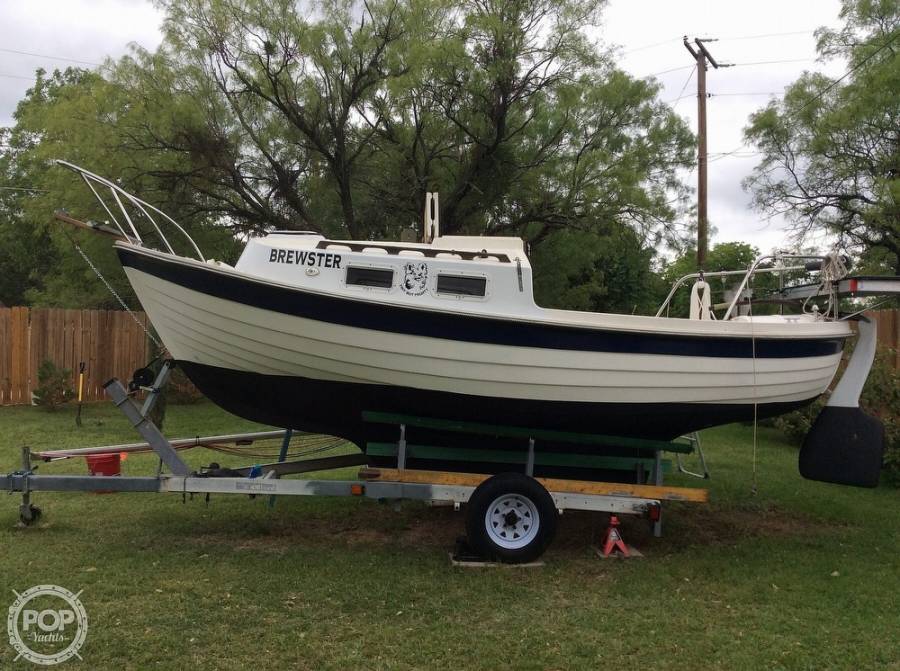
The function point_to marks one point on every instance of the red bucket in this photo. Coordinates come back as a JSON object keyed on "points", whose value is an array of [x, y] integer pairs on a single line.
{"points": [[104, 465]]}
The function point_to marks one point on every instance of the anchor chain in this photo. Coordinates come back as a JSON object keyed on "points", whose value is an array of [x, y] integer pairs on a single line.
{"points": [[116, 295]]}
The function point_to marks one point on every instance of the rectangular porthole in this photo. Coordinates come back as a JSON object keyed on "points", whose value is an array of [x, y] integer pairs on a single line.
{"points": [[370, 277], [461, 285]]}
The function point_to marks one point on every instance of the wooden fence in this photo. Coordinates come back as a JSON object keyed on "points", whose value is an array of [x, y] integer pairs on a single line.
{"points": [[109, 342], [888, 331]]}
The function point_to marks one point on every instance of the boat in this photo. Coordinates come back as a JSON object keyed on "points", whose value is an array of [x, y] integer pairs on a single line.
{"points": [[310, 333]]}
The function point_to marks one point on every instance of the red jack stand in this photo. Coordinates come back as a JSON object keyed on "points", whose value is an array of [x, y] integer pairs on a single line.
{"points": [[613, 541]]}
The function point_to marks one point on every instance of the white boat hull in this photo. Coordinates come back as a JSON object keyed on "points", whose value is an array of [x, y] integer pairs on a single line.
{"points": [[306, 355]]}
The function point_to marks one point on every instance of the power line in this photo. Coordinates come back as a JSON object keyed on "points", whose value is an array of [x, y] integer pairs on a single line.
{"points": [[848, 73], [765, 35], [788, 60], [55, 58], [31, 79], [728, 93], [722, 39], [723, 154], [748, 93], [651, 46], [664, 72], [821, 93], [681, 92], [21, 188]]}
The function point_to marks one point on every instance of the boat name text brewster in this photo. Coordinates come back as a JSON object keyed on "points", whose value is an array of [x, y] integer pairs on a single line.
{"points": [[299, 258]]}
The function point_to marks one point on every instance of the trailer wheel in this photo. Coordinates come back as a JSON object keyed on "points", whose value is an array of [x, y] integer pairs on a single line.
{"points": [[29, 515], [510, 517]]}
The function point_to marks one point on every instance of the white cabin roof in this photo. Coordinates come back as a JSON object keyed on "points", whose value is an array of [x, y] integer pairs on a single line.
{"points": [[483, 247], [511, 246]]}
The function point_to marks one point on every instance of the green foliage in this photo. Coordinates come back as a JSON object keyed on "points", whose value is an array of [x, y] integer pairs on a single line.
{"points": [[880, 398], [259, 114], [341, 120], [795, 425], [723, 256], [54, 386], [180, 390], [830, 147], [84, 118], [581, 270]]}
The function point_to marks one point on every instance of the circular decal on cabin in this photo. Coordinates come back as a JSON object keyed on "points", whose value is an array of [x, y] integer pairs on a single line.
{"points": [[415, 279]]}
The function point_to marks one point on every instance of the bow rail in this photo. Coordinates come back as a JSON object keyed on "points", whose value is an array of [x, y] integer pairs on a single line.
{"points": [[120, 197]]}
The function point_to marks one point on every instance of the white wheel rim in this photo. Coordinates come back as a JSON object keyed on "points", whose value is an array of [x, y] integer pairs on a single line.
{"points": [[512, 521]]}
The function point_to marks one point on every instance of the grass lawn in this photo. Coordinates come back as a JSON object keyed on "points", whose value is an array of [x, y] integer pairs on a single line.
{"points": [[801, 575]]}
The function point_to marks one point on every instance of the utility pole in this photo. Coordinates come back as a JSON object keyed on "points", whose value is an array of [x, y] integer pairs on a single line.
{"points": [[702, 56]]}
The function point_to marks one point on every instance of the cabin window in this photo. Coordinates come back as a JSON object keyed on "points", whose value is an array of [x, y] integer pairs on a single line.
{"points": [[461, 285], [370, 277]]}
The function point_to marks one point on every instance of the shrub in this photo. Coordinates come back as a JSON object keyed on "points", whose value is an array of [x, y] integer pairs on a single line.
{"points": [[881, 399], [54, 386], [180, 390], [795, 425]]}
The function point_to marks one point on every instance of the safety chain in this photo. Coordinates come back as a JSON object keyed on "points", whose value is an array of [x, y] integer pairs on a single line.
{"points": [[116, 294]]}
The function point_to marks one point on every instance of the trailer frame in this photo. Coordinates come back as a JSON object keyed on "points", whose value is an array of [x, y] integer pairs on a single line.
{"points": [[432, 487]]}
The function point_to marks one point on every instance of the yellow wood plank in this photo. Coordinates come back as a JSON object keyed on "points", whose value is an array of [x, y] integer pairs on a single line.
{"points": [[552, 484]]}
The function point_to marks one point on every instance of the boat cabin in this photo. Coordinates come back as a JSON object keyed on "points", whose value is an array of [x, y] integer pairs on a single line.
{"points": [[489, 271]]}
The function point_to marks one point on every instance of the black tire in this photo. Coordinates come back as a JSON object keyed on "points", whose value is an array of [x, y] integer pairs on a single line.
{"points": [[31, 517], [524, 518]]}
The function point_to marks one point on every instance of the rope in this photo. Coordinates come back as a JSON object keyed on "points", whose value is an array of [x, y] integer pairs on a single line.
{"points": [[754, 487], [304, 445], [308, 446], [115, 294], [831, 270]]}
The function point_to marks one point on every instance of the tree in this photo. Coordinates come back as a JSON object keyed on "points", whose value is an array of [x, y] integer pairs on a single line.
{"points": [[339, 121], [595, 272], [80, 116], [831, 147], [39, 256], [24, 255], [54, 386], [723, 256], [338, 118]]}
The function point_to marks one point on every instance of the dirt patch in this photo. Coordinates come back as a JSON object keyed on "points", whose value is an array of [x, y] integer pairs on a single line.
{"points": [[686, 526], [434, 527], [363, 536], [412, 525], [369, 525]]}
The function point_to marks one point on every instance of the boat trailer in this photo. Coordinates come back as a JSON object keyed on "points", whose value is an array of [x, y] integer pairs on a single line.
{"points": [[510, 516]]}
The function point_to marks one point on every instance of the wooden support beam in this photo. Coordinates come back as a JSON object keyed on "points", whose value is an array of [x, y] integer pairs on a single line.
{"points": [[552, 484], [481, 429], [569, 459], [103, 229]]}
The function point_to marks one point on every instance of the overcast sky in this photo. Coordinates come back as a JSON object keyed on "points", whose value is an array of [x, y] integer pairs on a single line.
{"points": [[648, 31]]}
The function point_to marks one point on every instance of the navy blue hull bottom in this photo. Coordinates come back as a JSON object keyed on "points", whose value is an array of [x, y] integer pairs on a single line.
{"points": [[336, 408]]}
